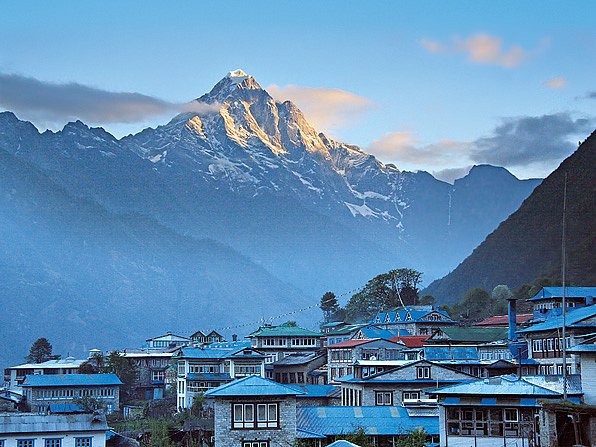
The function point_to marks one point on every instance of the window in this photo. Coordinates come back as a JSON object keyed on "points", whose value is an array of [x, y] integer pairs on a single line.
{"points": [[83, 442], [423, 372], [255, 443], [411, 395], [25, 442], [181, 368], [383, 398], [157, 375], [511, 415], [53, 442], [244, 415]]}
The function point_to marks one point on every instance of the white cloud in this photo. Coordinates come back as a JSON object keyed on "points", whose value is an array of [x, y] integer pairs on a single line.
{"points": [[325, 108], [556, 83], [481, 49]]}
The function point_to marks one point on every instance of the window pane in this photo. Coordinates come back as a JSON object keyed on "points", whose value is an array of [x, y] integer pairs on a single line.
{"points": [[261, 412], [237, 413], [249, 413], [273, 412]]}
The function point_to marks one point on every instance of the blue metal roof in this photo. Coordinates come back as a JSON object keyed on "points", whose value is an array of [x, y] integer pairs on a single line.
{"points": [[342, 443], [253, 386], [509, 385], [411, 314], [316, 390], [377, 332], [66, 408], [377, 420], [570, 292], [51, 380], [573, 318], [582, 348], [215, 377], [450, 353]]}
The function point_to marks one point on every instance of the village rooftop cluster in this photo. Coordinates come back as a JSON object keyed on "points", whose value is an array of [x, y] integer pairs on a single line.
{"points": [[502, 381]]}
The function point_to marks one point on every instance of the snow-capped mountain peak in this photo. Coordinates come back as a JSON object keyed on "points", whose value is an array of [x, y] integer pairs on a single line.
{"points": [[231, 85], [238, 73]]}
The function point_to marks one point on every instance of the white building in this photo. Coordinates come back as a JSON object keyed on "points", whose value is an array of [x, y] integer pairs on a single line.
{"points": [[587, 368], [53, 430], [168, 340], [15, 375]]}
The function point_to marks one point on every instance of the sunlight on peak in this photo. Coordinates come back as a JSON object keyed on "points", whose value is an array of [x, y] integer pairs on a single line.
{"points": [[237, 74]]}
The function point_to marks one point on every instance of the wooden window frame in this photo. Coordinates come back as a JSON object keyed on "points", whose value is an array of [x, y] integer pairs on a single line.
{"points": [[255, 423]]}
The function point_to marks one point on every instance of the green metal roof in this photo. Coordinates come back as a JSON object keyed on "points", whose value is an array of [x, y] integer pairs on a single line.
{"points": [[253, 386], [474, 334], [284, 331]]}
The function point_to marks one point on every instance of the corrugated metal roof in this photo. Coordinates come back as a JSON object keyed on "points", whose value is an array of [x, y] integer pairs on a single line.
{"points": [[66, 408], [583, 348], [342, 443], [573, 317], [377, 420], [316, 390], [345, 330], [451, 353], [509, 385], [253, 386], [52, 364], [297, 359], [284, 331], [411, 314], [503, 320], [570, 292], [215, 353], [51, 380], [377, 332], [411, 341], [51, 423], [216, 377], [474, 334]]}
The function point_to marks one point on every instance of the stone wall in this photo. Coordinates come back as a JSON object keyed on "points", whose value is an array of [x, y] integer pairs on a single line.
{"points": [[227, 436]]}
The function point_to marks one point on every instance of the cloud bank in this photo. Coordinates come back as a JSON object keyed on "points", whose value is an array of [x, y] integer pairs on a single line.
{"points": [[55, 102], [325, 108], [480, 49], [556, 83]]}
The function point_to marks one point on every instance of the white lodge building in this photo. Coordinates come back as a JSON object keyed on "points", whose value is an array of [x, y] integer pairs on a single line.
{"points": [[201, 369]]}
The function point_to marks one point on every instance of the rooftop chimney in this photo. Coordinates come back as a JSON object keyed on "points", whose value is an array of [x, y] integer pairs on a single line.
{"points": [[512, 318], [234, 337]]}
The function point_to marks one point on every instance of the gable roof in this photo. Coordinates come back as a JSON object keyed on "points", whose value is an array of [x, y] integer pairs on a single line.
{"points": [[68, 362], [375, 420], [215, 353], [508, 385], [573, 318], [409, 314], [28, 423], [472, 334], [371, 331], [52, 380], [503, 320], [298, 359], [570, 292], [253, 386], [353, 342], [170, 336], [284, 331], [411, 341], [346, 329]]}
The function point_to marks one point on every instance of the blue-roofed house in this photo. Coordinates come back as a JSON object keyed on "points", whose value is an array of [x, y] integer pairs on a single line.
{"points": [[384, 425], [397, 383], [152, 367], [369, 332], [254, 412], [549, 300], [415, 320], [167, 340], [200, 369], [498, 411], [278, 341], [41, 391], [341, 333], [545, 343]]}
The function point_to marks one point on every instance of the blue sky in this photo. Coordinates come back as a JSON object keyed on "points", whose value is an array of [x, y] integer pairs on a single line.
{"points": [[426, 85]]}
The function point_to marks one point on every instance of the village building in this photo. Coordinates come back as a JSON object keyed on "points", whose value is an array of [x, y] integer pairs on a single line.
{"points": [[298, 368], [201, 369], [469, 336], [342, 356], [254, 412], [549, 300], [414, 320], [152, 366], [276, 342], [406, 382], [53, 430], [15, 375], [497, 411], [200, 338], [545, 343], [341, 333], [332, 326], [317, 395], [586, 351], [40, 391], [369, 332], [383, 425], [168, 340]]}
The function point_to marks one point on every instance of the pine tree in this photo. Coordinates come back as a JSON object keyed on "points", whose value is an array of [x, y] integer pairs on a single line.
{"points": [[329, 305], [41, 351]]}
